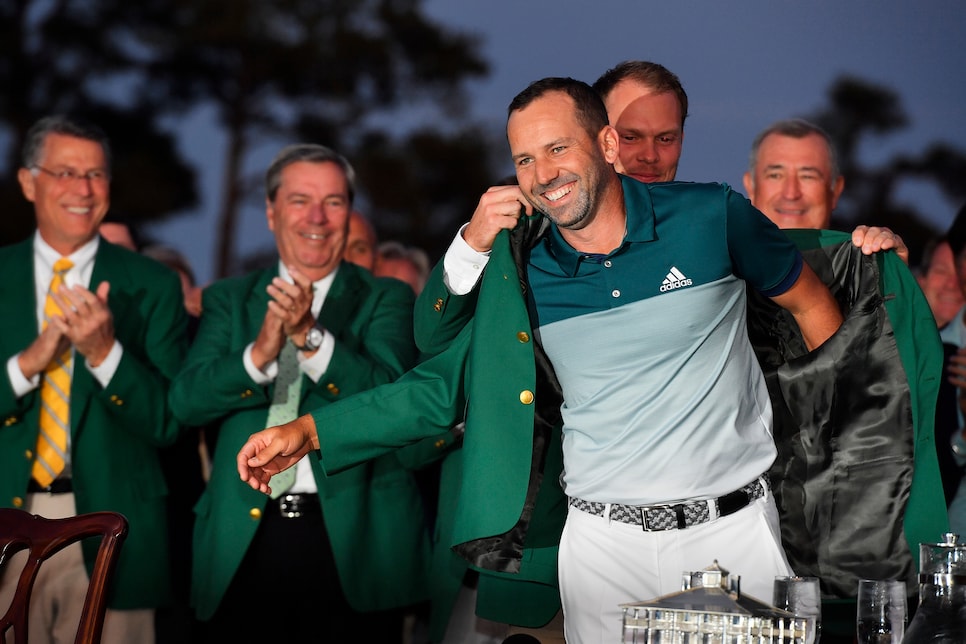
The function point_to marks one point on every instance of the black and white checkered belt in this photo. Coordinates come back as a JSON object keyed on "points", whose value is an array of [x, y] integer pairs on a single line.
{"points": [[676, 516]]}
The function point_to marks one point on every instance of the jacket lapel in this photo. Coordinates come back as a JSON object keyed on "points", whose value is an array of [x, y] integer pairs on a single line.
{"points": [[22, 329], [342, 301]]}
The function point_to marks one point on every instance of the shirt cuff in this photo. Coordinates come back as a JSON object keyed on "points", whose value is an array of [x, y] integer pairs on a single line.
{"points": [[105, 371], [20, 384], [462, 266], [260, 377], [316, 364]]}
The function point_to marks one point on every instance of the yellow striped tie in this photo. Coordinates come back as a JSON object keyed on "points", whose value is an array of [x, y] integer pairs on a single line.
{"points": [[54, 397]]}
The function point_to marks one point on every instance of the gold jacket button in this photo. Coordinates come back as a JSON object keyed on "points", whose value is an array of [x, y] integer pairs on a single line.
{"points": [[526, 397], [255, 513], [9, 420], [332, 389], [440, 443], [17, 502], [29, 455], [523, 337], [247, 393], [438, 305]]}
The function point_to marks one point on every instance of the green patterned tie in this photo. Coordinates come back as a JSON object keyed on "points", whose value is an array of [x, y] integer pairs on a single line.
{"points": [[285, 408]]}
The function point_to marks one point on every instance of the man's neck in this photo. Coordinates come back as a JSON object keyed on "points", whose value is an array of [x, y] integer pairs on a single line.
{"points": [[607, 228]]}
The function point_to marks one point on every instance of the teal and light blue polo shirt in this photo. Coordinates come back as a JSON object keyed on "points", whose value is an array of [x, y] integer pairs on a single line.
{"points": [[663, 396]]}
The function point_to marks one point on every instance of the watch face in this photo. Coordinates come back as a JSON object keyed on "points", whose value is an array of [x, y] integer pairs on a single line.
{"points": [[313, 339]]}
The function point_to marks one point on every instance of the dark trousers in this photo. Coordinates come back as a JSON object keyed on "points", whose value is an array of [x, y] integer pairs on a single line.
{"points": [[288, 586]]}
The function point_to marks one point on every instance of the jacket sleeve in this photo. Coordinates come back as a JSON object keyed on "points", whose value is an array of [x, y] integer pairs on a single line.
{"points": [[152, 331], [213, 382], [424, 404], [439, 315]]}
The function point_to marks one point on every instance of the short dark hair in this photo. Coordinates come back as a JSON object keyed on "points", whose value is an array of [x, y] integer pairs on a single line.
{"points": [[310, 153], [796, 129], [658, 77], [591, 113], [33, 145]]}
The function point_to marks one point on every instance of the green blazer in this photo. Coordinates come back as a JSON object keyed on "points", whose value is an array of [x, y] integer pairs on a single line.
{"points": [[857, 478], [500, 507], [372, 511], [115, 430]]}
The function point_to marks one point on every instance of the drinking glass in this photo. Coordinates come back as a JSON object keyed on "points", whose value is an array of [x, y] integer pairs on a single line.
{"points": [[802, 597], [880, 615]]}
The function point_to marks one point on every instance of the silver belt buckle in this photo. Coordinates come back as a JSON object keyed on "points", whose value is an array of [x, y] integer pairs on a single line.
{"points": [[286, 508], [646, 509]]}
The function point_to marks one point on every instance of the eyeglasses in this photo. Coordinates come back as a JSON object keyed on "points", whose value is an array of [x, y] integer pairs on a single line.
{"points": [[67, 175]]}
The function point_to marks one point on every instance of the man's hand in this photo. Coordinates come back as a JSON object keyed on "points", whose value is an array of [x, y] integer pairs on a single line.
{"points": [[86, 320], [49, 344], [875, 238], [500, 207], [289, 313], [272, 450], [292, 303], [269, 341]]}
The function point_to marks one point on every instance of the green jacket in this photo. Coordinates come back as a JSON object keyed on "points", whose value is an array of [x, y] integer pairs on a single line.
{"points": [[857, 478], [372, 511], [500, 506], [115, 430]]}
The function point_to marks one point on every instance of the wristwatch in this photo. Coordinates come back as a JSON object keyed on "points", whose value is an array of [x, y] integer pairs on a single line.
{"points": [[313, 339]]}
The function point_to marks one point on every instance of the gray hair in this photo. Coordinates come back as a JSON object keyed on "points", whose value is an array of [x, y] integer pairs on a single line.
{"points": [[796, 129], [60, 124], [310, 153], [392, 249]]}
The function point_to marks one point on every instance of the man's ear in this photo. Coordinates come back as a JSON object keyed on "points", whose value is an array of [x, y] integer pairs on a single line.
{"points": [[609, 142], [837, 190], [270, 214], [26, 179], [749, 184]]}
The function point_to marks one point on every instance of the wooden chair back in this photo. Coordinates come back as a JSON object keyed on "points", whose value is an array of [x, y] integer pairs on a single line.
{"points": [[41, 538]]}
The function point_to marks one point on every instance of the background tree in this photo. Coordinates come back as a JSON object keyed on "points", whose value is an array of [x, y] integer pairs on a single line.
{"points": [[435, 185], [858, 109], [54, 57], [332, 71]]}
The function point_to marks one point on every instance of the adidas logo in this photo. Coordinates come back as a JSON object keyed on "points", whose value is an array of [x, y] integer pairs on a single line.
{"points": [[675, 279]]}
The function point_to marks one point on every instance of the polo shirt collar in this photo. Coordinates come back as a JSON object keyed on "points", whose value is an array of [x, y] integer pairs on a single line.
{"points": [[640, 226]]}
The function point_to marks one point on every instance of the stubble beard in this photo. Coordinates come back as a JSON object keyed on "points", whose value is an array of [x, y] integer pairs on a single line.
{"points": [[573, 216]]}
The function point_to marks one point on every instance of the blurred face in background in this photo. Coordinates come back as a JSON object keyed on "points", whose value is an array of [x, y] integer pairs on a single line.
{"points": [[118, 233], [940, 284], [401, 269], [792, 181], [360, 245], [651, 131], [310, 217]]}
